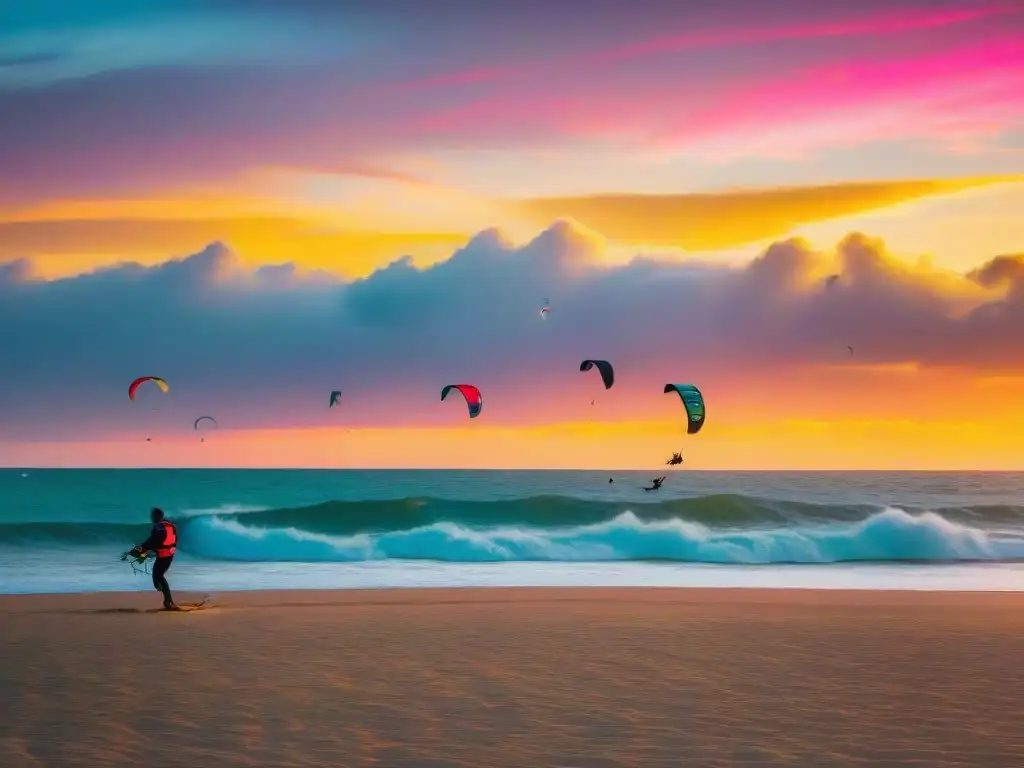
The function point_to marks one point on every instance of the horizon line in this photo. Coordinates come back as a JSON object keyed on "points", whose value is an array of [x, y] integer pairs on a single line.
{"points": [[12, 468]]}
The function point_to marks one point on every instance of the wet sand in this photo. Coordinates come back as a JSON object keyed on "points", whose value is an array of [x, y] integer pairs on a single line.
{"points": [[515, 677]]}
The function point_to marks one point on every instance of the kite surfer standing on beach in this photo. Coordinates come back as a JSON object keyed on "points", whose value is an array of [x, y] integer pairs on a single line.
{"points": [[163, 540]]}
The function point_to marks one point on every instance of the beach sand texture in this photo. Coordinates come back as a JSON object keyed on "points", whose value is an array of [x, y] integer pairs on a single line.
{"points": [[515, 677]]}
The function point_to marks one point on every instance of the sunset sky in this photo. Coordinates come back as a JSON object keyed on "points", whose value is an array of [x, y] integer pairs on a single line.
{"points": [[262, 201]]}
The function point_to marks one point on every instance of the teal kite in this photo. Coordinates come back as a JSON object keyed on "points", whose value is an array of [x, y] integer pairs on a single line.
{"points": [[693, 401]]}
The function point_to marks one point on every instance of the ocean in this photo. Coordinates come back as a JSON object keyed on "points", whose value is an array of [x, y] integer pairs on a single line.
{"points": [[64, 530]]}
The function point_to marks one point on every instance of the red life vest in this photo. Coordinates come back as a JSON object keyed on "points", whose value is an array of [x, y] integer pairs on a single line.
{"points": [[168, 546]]}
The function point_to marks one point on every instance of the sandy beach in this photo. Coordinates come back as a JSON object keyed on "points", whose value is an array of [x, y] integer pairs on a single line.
{"points": [[515, 677]]}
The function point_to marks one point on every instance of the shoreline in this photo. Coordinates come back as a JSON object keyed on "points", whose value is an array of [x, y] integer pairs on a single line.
{"points": [[313, 596], [96, 575], [515, 678]]}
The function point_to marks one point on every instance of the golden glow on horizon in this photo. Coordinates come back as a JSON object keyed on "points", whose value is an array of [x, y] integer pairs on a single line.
{"points": [[782, 444], [870, 417]]}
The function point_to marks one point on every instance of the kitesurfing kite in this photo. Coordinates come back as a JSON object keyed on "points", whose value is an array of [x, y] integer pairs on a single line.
{"points": [[474, 400], [605, 369], [133, 387], [851, 350], [335, 398], [201, 419], [693, 401], [545, 310]]}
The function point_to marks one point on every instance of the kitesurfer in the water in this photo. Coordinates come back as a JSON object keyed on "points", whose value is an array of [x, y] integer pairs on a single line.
{"points": [[610, 480], [655, 484], [163, 540]]}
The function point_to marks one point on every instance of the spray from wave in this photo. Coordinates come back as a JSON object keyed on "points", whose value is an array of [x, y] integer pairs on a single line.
{"points": [[724, 529]]}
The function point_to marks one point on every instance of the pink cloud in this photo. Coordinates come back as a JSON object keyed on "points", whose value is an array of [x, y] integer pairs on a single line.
{"points": [[921, 95], [879, 25], [891, 23], [968, 91]]}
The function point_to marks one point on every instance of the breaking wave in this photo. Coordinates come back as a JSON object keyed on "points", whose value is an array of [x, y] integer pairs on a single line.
{"points": [[726, 529]]}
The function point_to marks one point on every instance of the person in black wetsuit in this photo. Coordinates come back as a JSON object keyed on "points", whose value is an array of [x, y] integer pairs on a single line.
{"points": [[655, 484], [163, 540]]}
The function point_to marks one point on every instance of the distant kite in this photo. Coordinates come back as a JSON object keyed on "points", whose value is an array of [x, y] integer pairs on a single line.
{"points": [[335, 398], [605, 369], [198, 421], [133, 387]]}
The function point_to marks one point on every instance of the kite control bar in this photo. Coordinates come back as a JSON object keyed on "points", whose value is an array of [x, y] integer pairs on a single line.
{"points": [[135, 560]]}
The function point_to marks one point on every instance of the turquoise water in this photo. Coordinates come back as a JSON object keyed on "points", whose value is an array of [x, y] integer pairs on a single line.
{"points": [[63, 530]]}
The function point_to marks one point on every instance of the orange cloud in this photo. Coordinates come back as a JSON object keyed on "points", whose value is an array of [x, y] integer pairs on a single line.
{"points": [[711, 221]]}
